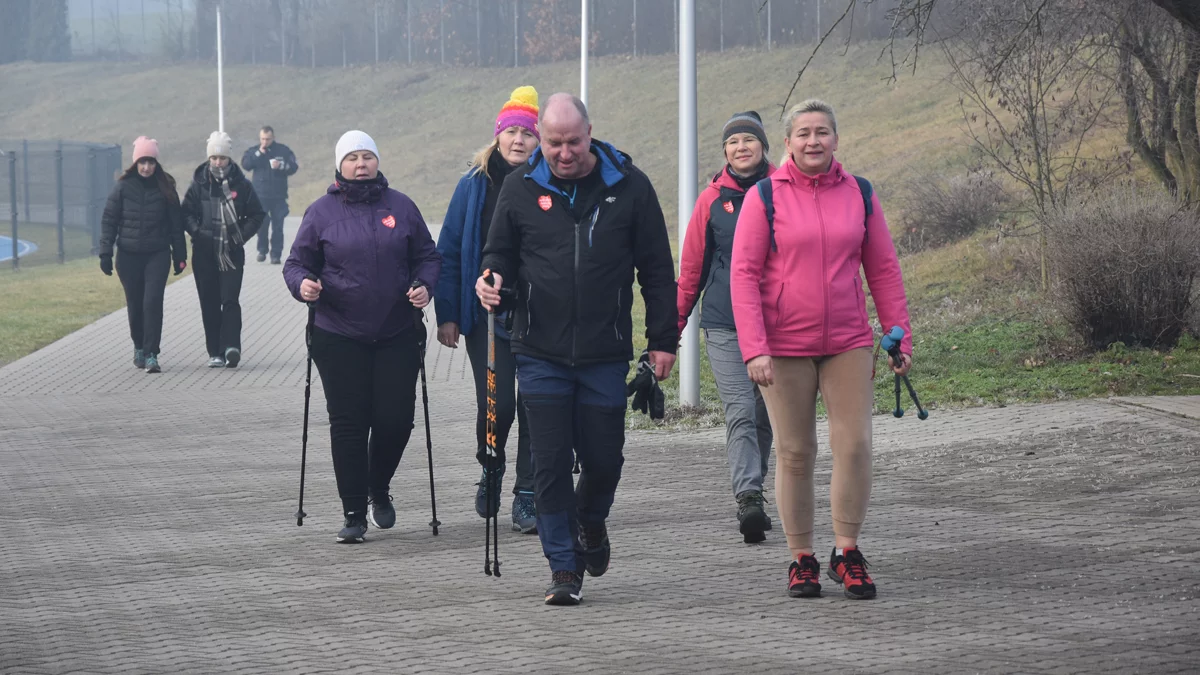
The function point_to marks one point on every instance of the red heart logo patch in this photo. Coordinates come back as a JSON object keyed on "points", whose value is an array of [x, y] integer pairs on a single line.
{"points": [[545, 202], [389, 222], [728, 207], [233, 195]]}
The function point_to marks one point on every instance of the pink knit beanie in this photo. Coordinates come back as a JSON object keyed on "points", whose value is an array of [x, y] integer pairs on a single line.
{"points": [[521, 110], [145, 147]]}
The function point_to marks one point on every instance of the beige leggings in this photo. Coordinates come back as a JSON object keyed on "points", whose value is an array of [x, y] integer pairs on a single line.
{"points": [[844, 382]]}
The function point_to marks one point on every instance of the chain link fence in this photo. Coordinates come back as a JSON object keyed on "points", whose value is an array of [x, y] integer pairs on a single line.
{"points": [[61, 184]]}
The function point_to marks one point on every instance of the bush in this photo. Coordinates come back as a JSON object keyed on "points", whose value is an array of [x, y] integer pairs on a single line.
{"points": [[1125, 267], [940, 211]]}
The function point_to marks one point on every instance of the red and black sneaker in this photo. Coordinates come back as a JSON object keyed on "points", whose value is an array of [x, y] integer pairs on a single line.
{"points": [[850, 570], [804, 577]]}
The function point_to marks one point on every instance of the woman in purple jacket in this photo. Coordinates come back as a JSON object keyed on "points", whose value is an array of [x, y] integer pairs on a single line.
{"points": [[364, 255]]}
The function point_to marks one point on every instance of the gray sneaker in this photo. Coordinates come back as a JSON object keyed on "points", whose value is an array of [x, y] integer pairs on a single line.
{"points": [[216, 362], [152, 364], [139, 359], [524, 513]]}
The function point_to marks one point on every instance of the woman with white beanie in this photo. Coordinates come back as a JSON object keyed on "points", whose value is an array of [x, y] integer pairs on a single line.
{"points": [[364, 256], [221, 212]]}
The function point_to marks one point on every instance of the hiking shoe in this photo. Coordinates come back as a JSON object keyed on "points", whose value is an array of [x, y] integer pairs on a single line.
{"points": [[486, 508], [593, 537], [752, 519], [380, 511], [524, 513], [262, 257], [804, 577], [216, 362], [139, 359], [232, 356], [566, 588], [152, 364], [850, 570], [355, 529]]}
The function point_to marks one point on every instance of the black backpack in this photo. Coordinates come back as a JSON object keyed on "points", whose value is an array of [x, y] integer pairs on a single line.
{"points": [[764, 192]]}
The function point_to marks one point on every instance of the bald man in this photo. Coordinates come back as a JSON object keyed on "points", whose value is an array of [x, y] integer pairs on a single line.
{"points": [[569, 230]]}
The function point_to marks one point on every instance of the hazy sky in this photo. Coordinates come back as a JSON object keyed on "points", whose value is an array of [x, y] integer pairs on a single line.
{"points": [[82, 9]]}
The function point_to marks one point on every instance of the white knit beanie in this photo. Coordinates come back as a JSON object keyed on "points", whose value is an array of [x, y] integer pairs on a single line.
{"points": [[220, 145], [352, 141]]}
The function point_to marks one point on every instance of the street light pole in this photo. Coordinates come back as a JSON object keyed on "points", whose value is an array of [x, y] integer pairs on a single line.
{"points": [[689, 346]]}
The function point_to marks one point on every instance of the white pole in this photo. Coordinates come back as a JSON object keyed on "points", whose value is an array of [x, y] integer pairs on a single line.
{"points": [[689, 346], [583, 53], [220, 75]]}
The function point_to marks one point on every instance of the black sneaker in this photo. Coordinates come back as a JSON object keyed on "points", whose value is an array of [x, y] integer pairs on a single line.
{"points": [[566, 588], [804, 577], [486, 508], [380, 511], [355, 530], [232, 356], [850, 570], [593, 537], [524, 513], [752, 519]]}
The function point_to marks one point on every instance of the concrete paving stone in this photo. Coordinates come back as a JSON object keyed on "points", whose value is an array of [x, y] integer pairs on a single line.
{"points": [[149, 528]]}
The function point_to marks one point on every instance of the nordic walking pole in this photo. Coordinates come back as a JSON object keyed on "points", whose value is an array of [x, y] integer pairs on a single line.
{"points": [[425, 405], [308, 331], [491, 486], [891, 344]]}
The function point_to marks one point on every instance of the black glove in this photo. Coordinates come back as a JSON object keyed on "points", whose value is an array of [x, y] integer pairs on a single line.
{"points": [[647, 395], [106, 264]]}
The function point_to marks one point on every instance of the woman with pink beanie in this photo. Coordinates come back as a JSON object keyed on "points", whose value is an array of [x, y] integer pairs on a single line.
{"points": [[803, 329], [143, 221], [464, 230]]}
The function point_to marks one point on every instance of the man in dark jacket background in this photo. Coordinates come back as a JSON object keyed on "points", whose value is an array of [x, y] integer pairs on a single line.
{"points": [[271, 164], [570, 229]]}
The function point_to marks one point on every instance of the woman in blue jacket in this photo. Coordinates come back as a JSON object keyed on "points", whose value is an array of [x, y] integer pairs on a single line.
{"points": [[464, 231], [373, 260]]}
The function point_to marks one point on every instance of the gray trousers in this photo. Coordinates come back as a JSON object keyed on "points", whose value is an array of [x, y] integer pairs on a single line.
{"points": [[747, 428]]}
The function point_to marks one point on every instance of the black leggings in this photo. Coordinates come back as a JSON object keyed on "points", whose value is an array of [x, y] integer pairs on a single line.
{"points": [[371, 394], [508, 401], [144, 278]]}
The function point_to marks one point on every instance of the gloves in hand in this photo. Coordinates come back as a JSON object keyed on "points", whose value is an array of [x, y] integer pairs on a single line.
{"points": [[106, 264], [647, 395]]}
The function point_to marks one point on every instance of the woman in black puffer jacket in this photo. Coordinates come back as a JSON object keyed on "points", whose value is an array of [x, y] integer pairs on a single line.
{"points": [[143, 220]]}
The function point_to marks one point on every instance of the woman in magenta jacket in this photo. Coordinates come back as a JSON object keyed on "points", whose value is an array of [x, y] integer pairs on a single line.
{"points": [[802, 327]]}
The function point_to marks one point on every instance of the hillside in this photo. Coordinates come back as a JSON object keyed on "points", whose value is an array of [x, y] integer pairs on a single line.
{"points": [[428, 121]]}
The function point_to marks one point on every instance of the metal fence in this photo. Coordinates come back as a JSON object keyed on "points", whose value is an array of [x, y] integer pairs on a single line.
{"points": [[61, 183]]}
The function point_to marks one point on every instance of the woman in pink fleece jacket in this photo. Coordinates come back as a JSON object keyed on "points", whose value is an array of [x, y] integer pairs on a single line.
{"points": [[802, 327]]}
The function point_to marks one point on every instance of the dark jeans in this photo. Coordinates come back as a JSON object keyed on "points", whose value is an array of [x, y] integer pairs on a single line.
{"points": [[272, 226], [508, 400], [219, 291], [370, 394], [580, 409], [144, 278]]}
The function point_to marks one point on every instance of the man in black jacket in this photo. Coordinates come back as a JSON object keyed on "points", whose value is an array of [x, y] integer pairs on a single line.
{"points": [[271, 163], [570, 228]]}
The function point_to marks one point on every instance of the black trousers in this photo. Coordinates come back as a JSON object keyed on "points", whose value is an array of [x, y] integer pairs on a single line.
{"points": [[508, 401], [271, 231], [219, 291], [144, 278], [371, 394]]}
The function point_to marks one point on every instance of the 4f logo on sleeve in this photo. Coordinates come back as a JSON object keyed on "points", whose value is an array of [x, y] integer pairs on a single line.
{"points": [[545, 202], [728, 207], [389, 222]]}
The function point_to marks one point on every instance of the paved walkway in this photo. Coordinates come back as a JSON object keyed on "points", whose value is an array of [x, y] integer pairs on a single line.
{"points": [[148, 528]]}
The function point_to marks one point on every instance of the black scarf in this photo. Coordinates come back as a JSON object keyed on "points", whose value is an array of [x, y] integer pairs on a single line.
{"points": [[745, 182], [361, 191]]}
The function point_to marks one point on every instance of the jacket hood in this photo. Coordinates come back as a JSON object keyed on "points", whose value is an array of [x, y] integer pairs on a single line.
{"points": [[614, 165], [201, 175]]}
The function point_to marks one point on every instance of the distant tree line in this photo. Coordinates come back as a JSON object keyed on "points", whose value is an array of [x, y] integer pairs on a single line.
{"points": [[34, 31]]}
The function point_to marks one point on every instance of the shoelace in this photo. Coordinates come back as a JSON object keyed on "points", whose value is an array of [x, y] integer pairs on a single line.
{"points": [[592, 536], [563, 577], [806, 572], [856, 566]]}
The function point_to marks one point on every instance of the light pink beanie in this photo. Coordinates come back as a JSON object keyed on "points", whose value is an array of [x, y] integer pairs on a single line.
{"points": [[145, 147]]}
